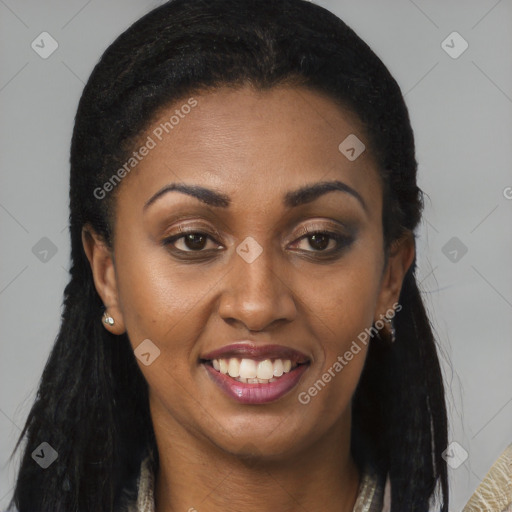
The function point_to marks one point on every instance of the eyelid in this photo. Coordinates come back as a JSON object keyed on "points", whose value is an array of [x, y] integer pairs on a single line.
{"points": [[338, 228], [193, 227], [333, 234]]}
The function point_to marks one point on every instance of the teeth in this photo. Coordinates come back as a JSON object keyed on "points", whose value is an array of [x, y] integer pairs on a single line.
{"points": [[265, 369], [278, 368], [254, 381], [234, 367], [223, 365], [250, 371]]}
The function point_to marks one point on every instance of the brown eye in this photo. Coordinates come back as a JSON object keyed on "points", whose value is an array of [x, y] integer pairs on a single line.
{"points": [[189, 242], [319, 241], [195, 241], [326, 242]]}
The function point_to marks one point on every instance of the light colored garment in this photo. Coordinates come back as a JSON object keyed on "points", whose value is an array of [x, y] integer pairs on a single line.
{"points": [[494, 494], [372, 497]]}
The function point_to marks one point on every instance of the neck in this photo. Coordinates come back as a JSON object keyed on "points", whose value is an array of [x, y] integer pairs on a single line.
{"points": [[195, 474]]}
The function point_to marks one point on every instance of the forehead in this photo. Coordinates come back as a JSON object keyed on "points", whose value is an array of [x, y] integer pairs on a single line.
{"points": [[261, 142]]}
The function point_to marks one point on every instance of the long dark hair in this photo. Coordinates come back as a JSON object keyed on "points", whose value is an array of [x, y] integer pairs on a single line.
{"points": [[92, 402]]}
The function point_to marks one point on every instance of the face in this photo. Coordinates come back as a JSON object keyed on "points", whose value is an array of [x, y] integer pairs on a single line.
{"points": [[253, 263]]}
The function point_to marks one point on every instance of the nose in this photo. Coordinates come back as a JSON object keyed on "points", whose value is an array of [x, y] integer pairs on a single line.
{"points": [[257, 294]]}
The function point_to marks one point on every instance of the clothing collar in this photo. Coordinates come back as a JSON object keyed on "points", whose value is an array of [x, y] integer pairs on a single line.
{"points": [[373, 495]]}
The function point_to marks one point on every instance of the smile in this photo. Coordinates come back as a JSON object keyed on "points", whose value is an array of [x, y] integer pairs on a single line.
{"points": [[250, 371], [255, 374]]}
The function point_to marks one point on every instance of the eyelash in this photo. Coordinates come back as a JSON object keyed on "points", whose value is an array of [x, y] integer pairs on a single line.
{"points": [[342, 241]]}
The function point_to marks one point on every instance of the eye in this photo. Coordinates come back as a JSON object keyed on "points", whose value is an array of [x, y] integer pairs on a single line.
{"points": [[324, 241], [192, 241], [317, 241]]}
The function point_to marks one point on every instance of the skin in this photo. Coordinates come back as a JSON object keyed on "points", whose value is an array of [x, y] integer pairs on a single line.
{"points": [[217, 454]]}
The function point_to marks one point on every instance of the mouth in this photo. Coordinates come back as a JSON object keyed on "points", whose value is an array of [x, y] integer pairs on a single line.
{"points": [[251, 371], [254, 375]]}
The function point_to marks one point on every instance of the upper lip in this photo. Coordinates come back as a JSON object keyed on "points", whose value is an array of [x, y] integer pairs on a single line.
{"points": [[251, 351]]}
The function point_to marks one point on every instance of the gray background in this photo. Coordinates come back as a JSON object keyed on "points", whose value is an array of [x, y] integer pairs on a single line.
{"points": [[461, 112]]}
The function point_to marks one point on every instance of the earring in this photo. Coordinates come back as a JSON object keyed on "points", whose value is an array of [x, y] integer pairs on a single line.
{"points": [[107, 319], [392, 329]]}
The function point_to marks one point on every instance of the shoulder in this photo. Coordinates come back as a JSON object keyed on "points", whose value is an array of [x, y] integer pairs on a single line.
{"points": [[374, 493], [138, 496], [496, 488]]}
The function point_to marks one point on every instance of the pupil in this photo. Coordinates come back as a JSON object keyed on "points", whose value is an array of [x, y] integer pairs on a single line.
{"points": [[192, 241], [315, 239]]}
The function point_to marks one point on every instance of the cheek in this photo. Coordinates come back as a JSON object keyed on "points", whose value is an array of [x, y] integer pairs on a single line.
{"points": [[342, 307], [160, 304], [163, 304], [156, 294], [343, 311], [346, 295]]}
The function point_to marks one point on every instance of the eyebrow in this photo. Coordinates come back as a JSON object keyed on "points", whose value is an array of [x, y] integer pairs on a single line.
{"points": [[302, 195]]}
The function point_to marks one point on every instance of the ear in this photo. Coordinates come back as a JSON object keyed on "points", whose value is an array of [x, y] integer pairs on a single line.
{"points": [[101, 260], [400, 257]]}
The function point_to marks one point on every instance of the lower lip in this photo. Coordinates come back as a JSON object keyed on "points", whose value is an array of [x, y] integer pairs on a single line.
{"points": [[257, 393]]}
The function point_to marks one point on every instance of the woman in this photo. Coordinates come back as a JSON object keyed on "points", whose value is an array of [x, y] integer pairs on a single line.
{"points": [[243, 319]]}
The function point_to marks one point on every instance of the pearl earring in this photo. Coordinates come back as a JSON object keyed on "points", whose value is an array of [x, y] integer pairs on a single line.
{"points": [[392, 329], [107, 319]]}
